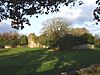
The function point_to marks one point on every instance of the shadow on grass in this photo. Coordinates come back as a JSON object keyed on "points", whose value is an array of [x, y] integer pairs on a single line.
{"points": [[3, 50], [44, 62]]}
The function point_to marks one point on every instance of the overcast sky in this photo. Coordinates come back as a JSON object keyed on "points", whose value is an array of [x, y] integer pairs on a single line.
{"points": [[78, 16]]}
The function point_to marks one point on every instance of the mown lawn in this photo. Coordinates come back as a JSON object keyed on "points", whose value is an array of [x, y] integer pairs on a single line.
{"points": [[26, 61]]}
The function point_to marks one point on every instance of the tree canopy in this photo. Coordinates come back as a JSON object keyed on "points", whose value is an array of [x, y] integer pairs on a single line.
{"points": [[59, 35], [23, 40], [54, 29], [16, 10], [9, 38]]}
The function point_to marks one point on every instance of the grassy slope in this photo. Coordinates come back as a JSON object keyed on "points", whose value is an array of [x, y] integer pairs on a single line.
{"points": [[26, 61]]}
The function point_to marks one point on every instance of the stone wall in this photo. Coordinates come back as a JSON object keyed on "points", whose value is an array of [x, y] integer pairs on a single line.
{"points": [[33, 44], [93, 69]]}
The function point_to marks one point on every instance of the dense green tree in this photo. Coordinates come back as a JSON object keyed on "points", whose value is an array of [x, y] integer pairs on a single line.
{"points": [[77, 36], [17, 9], [1, 40], [88, 38], [42, 39], [23, 40], [12, 42]]}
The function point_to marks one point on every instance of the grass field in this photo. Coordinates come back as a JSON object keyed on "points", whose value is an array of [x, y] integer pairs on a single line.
{"points": [[26, 61]]}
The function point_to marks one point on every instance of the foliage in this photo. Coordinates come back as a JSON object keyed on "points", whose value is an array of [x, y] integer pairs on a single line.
{"points": [[42, 39], [9, 38], [59, 35], [88, 38], [23, 40], [17, 9], [96, 12], [1, 40], [11, 42], [55, 29]]}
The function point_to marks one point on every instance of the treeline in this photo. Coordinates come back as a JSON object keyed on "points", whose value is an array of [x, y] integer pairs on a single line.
{"points": [[60, 41], [56, 40], [13, 38], [56, 34], [59, 35]]}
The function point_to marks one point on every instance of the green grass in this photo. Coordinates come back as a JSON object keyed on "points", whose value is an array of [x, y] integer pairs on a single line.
{"points": [[26, 61]]}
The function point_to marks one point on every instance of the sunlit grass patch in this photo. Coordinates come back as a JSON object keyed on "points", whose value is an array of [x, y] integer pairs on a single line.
{"points": [[48, 65]]}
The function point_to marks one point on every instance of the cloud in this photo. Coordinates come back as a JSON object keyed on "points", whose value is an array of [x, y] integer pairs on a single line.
{"points": [[70, 13], [4, 27], [89, 2], [86, 14], [81, 16], [78, 14]]}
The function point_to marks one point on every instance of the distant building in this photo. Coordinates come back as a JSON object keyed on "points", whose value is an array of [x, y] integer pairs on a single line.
{"points": [[32, 42]]}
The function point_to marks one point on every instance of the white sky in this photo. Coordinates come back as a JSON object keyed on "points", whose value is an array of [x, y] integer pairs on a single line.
{"points": [[79, 16]]}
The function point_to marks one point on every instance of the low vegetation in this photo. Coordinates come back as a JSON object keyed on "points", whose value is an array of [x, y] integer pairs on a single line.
{"points": [[28, 61]]}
